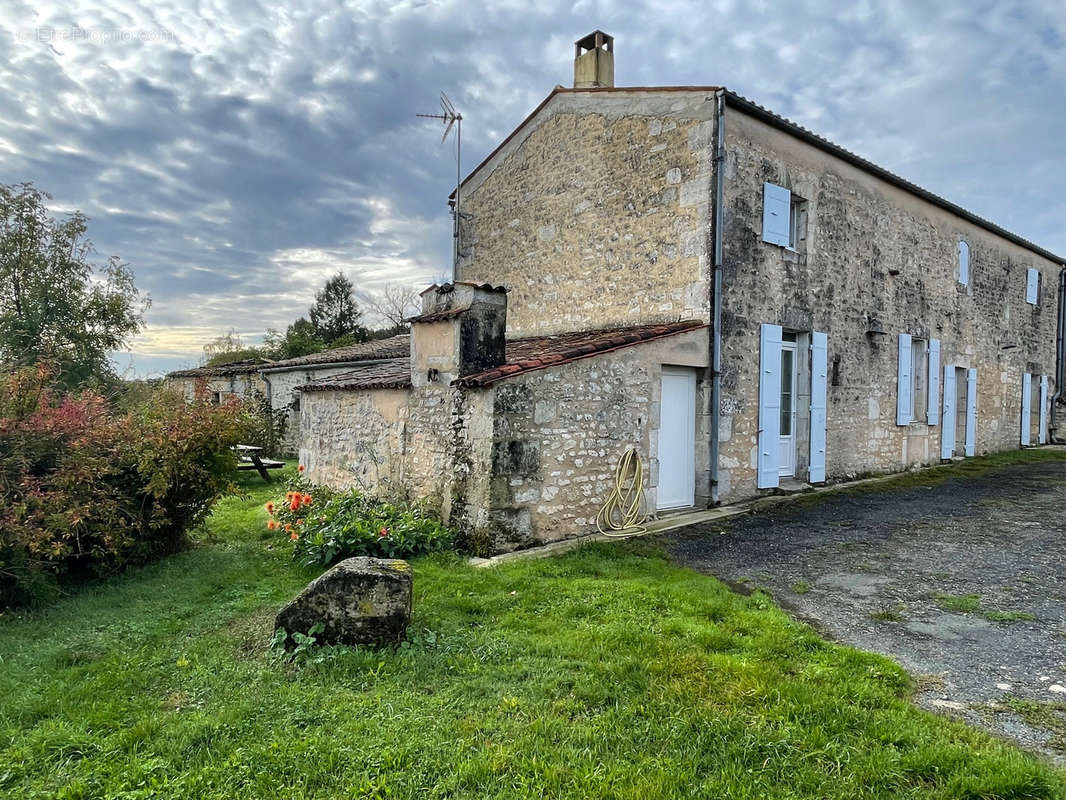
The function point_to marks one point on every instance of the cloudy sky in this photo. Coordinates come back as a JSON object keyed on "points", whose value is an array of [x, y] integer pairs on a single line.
{"points": [[238, 153]]}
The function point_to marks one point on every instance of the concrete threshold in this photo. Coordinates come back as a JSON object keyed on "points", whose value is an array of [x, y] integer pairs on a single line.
{"points": [[684, 519]]}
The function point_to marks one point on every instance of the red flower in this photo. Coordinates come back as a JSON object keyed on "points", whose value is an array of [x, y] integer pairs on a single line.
{"points": [[306, 499], [383, 533], [301, 468]]}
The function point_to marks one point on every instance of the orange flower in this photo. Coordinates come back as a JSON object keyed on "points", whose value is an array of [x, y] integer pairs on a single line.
{"points": [[272, 525], [383, 533], [295, 504], [301, 468], [288, 527], [289, 496], [306, 499], [294, 536], [299, 522], [270, 508]]}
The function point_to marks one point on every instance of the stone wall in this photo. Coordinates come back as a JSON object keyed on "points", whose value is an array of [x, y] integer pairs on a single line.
{"points": [[872, 251], [558, 433], [355, 438], [595, 213], [243, 386], [284, 397]]}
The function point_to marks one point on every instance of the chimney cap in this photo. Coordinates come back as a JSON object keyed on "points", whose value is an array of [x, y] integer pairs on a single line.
{"points": [[594, 41]]}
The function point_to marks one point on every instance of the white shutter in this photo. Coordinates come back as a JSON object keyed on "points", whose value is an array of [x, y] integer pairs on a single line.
{"points": [[1027, 391], [933, 401], [819, 371], [769, 406], [971, 411], [1032, 286], [1043, 409], [947, 426], [776, 203], [964, 263], [904, 397]]}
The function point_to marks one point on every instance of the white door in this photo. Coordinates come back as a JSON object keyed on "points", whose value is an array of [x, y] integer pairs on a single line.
{"points": [[786, 460], [677, 439]]}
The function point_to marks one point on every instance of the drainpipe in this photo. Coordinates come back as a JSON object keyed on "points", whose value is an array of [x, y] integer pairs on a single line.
{"points": [[1060, 356], [716, 318]]}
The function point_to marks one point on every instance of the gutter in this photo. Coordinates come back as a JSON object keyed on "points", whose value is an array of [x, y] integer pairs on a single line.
{"points": [[716, 314], [1060, 356]]}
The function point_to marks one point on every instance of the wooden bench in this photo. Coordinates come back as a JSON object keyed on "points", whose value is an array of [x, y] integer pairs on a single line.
{"points": [[249, 458]]}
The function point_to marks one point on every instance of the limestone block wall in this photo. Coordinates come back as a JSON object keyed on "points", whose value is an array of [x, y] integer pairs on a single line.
{"points": [[284, 397], [355, 438], [558, 433], [872, 251], [243, 386], [596, 212]]}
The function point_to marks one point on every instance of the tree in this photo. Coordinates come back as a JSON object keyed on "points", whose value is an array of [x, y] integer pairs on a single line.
{"points": [[229, 348], [55, 305], [394, 306], [298, 340], [335, 312]]}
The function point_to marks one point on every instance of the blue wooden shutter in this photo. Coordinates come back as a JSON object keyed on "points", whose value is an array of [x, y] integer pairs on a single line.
{"points": [[769, 406], [819, 359], [776, 205], [1032, 286], [971, 411], [904, 398], [964, 263], [934, 382], [1027, 391], [1043, 409], [947, 427]]}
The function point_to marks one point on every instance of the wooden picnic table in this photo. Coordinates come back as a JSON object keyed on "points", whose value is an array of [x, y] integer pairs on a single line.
{"points": [[249, 458]]}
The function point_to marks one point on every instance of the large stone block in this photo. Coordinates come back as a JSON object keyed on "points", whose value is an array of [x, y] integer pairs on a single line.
{"points": [[359, 601]]}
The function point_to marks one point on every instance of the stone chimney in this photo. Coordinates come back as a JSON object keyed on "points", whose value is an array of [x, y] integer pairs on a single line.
{"points": [[594, 61], [459, 332]]}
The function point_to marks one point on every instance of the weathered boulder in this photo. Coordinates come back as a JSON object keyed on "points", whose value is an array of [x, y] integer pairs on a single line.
{"points": [[359, 601]]}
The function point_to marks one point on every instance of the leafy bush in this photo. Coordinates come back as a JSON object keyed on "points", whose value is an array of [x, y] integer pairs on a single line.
{"points": [[327, 526], [84, 489]]}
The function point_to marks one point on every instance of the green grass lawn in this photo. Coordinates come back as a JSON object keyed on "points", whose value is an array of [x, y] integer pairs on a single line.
{"points": [[605, 673]]}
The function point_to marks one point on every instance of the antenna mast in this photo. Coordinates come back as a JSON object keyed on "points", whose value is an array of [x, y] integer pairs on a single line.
{"points": [[451, 117]]}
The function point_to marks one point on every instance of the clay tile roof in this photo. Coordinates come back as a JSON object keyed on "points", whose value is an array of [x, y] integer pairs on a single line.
{"points": [[393, 347], [223, 370], [389, 373], [439, 316], [527, 355]]}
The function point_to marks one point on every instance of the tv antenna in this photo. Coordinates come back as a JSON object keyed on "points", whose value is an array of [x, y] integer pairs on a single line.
{"points": [[449, 116]]}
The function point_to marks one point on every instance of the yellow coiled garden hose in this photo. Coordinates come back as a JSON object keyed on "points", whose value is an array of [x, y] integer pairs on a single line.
{"points": [[626, 509]]}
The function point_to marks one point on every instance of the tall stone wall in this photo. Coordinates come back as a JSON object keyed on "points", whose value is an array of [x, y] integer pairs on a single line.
{"points": [[872, 251], [557, 435], [285, 397], [595, 213]]}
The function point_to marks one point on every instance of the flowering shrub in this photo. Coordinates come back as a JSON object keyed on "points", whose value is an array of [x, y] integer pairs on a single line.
{"points": [[86, 490], [326, 526]]}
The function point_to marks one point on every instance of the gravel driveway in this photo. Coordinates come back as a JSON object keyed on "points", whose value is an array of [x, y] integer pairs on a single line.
{"points": [[962, 582]]}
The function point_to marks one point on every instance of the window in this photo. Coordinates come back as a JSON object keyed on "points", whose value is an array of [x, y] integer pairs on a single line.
{"points": [[1032, 287], [216, 398], [964, 263], [784, 217]]}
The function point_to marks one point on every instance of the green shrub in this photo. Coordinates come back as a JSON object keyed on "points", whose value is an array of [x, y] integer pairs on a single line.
{"points": [[86, 490], [326, 526]]}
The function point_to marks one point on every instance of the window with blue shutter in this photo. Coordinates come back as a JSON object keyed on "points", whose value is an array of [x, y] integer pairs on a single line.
{"points": [[933, 401], [947, 427], [1043, 410], [819, 372], [769, 406], [904, 387], [776, 214], [1027, 413], [1032, 286], [964, 263], [971, 411]]}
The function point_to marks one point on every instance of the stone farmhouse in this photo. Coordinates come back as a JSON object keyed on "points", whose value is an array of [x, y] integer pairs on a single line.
{"points": [[236, 379], [681, 271]]}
